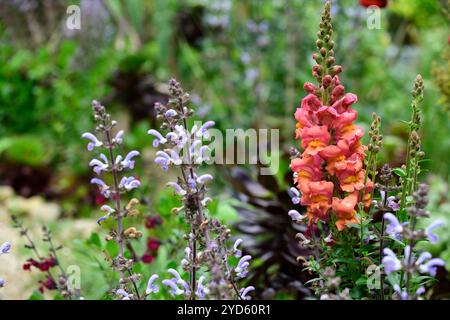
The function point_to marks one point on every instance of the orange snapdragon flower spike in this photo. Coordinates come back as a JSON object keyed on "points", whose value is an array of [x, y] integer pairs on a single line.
{"points": [[329, 173]]}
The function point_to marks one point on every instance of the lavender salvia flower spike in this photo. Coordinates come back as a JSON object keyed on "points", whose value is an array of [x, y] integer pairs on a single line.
{"points": [[114, 164], [207, 238]]}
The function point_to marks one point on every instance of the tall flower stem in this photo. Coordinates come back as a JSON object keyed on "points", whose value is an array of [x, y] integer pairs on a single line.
{"points": [[116, 195]]}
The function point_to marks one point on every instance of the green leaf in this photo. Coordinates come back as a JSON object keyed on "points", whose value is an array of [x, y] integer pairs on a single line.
{"points": [[400, 172], [95, 240], [36, 295], [112, 248]]}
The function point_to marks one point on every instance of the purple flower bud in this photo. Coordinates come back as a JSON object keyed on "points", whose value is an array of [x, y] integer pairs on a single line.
{"points": [[94, 141], [151, 288], [128, 163], [390, 261], [159, 138], [5, 248], [245, 291], [2, 282], [429, 231]]}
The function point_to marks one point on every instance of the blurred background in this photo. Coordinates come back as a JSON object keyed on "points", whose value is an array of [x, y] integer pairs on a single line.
{"points": [[244, 63]]}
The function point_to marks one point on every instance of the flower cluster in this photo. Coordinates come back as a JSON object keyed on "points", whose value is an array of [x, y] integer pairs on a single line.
{"points": [[207, 238], [329, 173], [4, 249], [411, 264], [116, 165]]}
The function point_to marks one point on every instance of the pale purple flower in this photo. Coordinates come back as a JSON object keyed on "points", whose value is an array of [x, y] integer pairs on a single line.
{"points": [[159, 139], [295, 195], [122, 293], [237, 252], [175, 158], [391, 201], [243, 264], [163, 159], [5, 248], [203, 131], [152, 288], [129, 183], [201, 289], [402, 293], [177, 188], [202, 156], [119, 137], [390, 261], [296, 216], [173, 288], [108, 211], [2, 282], [104, 188], [430, 267], [204, 178], [394, 227], [429, 231], [98, 165], [245, 291], [128, 162], [94, 141], [177, 279]]}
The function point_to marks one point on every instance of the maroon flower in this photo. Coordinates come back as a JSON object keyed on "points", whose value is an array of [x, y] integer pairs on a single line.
{"points": [[147, 258], [48, 283], [152, 221], [152, 244]]}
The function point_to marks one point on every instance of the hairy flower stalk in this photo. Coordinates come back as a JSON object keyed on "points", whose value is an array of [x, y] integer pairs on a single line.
{"points": [[329, 173], [116, 165], [207, 238], [414, 152]]}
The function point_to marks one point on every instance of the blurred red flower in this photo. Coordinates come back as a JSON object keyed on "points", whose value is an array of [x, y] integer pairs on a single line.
{"points": [[378, 3]]}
